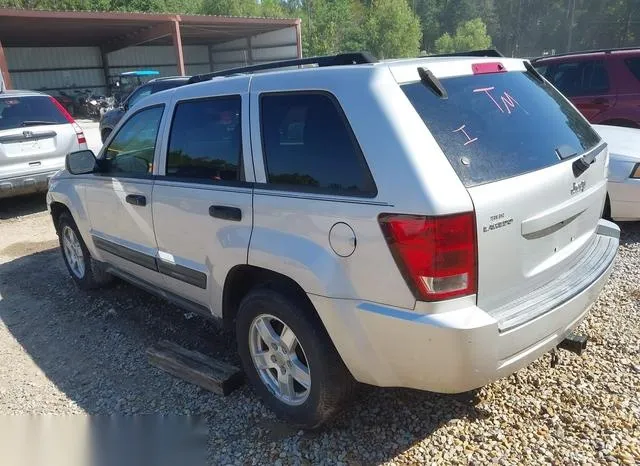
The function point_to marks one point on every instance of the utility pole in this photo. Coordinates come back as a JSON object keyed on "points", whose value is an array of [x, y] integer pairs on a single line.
{"points": [[572, 13]]}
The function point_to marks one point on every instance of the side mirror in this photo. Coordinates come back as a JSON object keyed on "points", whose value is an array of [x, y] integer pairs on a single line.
{"points": [[81, 162]]}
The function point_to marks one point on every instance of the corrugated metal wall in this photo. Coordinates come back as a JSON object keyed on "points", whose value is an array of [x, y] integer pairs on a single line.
{"points": [[52, 69], [55, 67], [160, 58], [270, 46]]}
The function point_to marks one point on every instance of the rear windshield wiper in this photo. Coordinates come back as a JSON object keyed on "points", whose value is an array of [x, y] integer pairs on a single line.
{"points": [[428, 79], [580, 165], [38, 123]]}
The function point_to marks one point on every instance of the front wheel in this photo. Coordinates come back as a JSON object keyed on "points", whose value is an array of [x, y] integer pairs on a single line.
{"points": [[85, 271], [289, 359]]}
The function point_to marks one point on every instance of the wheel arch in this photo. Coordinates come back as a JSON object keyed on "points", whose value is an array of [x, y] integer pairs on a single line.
{"points": [[242, 278], [57, 209]]}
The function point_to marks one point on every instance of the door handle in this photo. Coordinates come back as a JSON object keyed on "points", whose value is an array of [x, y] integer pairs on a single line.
{"points": [[136, 199], [225, 212], [600, 101]]}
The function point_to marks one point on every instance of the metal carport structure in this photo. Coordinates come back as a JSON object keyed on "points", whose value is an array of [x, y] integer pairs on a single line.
{"points": [[227, 42]]}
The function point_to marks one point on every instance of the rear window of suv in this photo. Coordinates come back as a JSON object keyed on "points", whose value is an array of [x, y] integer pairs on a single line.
{"points": [[634, 66], [24, 111], [496, 126]]}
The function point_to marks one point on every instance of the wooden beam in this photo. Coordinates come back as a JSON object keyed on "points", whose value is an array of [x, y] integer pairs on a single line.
{"points": [[250, 50], [299, 38], [177, 44], [141, 36], [4, 70], [195, 367]]}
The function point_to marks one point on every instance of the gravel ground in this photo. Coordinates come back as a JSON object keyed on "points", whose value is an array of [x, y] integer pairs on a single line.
{"points": [[64, 351]]}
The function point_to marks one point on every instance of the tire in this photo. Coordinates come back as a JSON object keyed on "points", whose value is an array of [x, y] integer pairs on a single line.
{"points": [[88, 273], [606, 212], [331, 384]]}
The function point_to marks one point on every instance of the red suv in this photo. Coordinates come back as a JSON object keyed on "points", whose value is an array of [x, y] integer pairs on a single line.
{"points": [[603, 84]]}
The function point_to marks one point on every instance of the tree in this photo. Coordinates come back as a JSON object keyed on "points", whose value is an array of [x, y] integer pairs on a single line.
{"points": [[392, 29], [330, 26], [230, 7], [470, 35]]}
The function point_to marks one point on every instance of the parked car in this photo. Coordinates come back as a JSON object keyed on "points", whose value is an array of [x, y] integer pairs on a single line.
{"points": [[111, 118], [428, 223], [128, 81], [36, 133], [623, 198], [604, 84], [66, 102]]}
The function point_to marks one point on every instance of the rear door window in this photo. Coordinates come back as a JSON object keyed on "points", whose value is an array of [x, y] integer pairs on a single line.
{"points": [[580, 78], [308, 145], [634, 66], [25, 111], [205, 143], [496, 126]]}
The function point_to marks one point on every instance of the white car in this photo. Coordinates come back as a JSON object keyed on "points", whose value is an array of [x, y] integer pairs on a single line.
{"points": [[36, 134], [431, 223], [623, 200]]}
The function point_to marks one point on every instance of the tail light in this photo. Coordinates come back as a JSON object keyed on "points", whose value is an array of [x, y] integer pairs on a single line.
{"points": [[69, 118], [436, 255]]}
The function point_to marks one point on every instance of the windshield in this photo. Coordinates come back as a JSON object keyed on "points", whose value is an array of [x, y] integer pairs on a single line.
{"points": [[21, 112], [499, 125]]}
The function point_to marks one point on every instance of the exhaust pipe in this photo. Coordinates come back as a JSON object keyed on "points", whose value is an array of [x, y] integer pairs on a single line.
{"points": [[574, 343]]}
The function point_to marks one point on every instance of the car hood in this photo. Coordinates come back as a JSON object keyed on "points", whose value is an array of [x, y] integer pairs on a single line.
{"points": [[624, 143]]}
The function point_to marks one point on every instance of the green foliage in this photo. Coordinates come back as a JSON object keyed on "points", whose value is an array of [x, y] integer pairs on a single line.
{"points": [[470, 35], [392, 30], [230, 7], [331, 26]]}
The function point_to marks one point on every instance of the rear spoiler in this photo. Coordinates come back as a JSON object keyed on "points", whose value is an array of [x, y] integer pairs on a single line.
{"points": [[472, 53]]}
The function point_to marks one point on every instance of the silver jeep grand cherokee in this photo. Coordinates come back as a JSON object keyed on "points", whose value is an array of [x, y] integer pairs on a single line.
{"points": [[430, 223]]}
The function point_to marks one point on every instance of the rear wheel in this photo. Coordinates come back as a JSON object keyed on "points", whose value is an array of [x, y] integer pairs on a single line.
{"points": [[289, 359], [85, 271]]}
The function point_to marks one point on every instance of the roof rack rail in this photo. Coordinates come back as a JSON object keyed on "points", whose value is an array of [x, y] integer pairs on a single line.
{"points": [[470, 53], [342, 59], [582, 52]]}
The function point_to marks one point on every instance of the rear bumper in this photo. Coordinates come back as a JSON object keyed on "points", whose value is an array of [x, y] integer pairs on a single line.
{"points": [[448, 352], [625, 199], [25, 184]]}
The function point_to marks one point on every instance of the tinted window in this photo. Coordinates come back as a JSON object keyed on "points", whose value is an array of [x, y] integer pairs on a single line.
{"points": [[21, 112], [167, 84], [137, 95], [579, 78], [206, 140], [131, 151], [496, 126], [634, 66], [309, 145]]}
